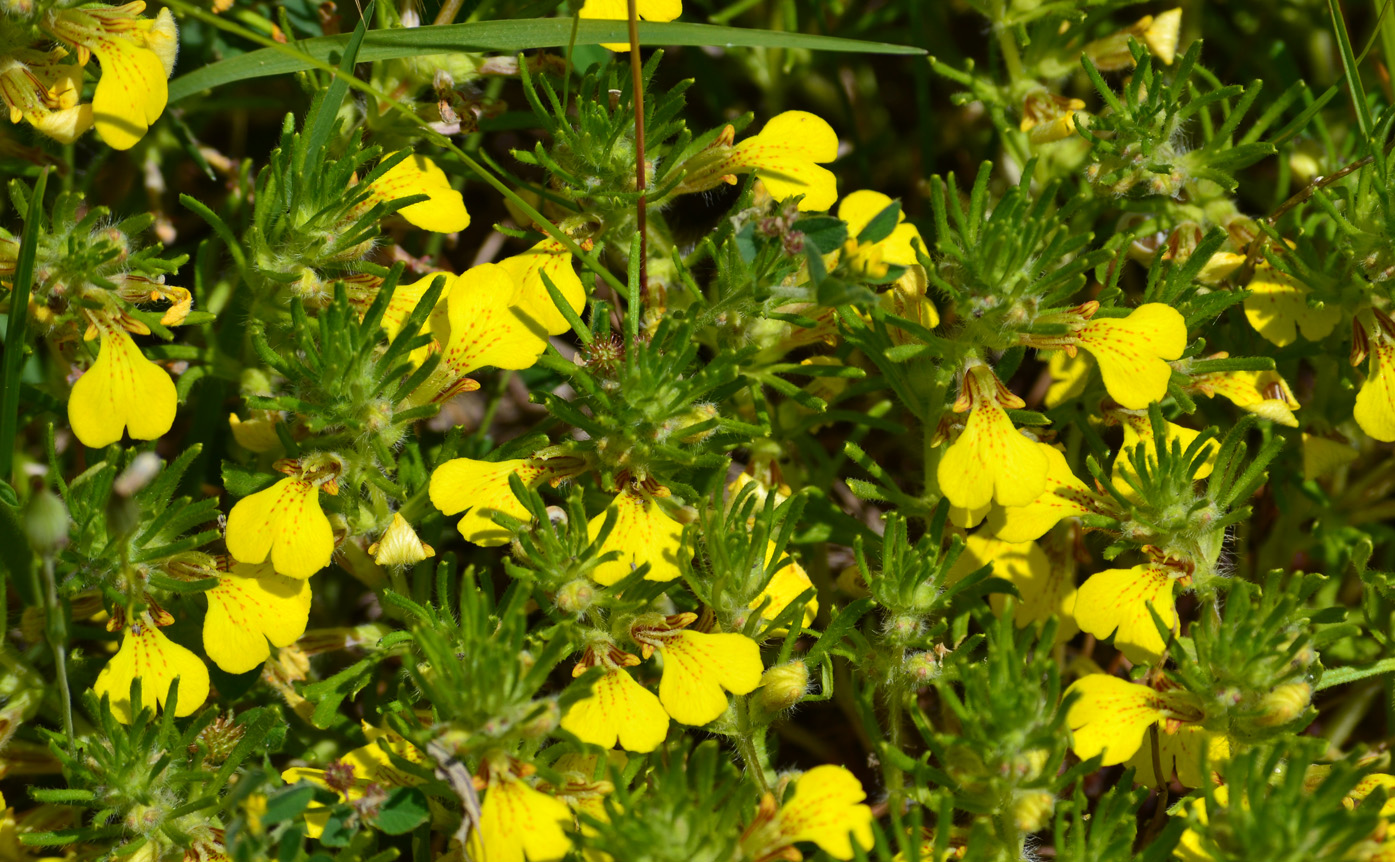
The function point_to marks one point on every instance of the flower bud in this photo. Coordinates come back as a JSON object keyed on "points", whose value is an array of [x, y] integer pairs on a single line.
{"points": [[1284, 704], [1031, 810], [782, 686], [575, 596], [46, 522], [922, 667], [400, 545]]}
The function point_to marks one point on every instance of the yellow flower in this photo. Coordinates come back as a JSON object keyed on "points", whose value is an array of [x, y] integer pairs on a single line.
{"points": [[1189, 847], [1263, 393], [1116, 601], [618, 10], [548, 257], [479, 325], [786, 585], [990, 460], [1321, 456], [257, 434], [1063, 497], [1277, 307], [122, 391], [899, 249], [400, 545], [286, 523], [1044, 589], [252, 605], [618, 709], [1133, 352], [1138, 431], [482, 487], [518, 822], [1375, 403], [1048, 118], [351, 776], [1179, 752], [785, 156], [158, 661], [643, 533], [41, 90], [826, 809], [908, 299], [1069, 374], [444, 209], [698, 668], [1110, 716], [137, 56]]}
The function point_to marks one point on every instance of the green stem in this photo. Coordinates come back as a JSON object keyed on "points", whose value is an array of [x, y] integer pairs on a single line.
{"points": [[55, 631]]}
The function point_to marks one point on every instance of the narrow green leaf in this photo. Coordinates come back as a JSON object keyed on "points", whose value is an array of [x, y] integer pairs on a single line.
{"points": [[13, 361], [505, 37]]}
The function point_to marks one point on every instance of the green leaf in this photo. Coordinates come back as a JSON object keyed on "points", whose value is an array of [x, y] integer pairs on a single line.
{"points": [[326, 110], [13, 360], [404, 811], [825, 233], [882, 224], [507, 37], [288, 803], [8, 495]]}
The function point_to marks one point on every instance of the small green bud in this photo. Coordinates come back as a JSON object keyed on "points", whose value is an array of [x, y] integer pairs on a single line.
{"points": [[1284, 704], [575, 596], [46, 522], [782, 686], [1031, 810]]}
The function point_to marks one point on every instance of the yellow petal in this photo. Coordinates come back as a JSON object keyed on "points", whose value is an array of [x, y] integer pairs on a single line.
{"points": [[1263, 393], [443, 212], [1044, 589], [400, 545], [1116, 601], [786, 585], [619, 709], [785, 155], [158, 661], [1162, 34], [131, 93], [122, 391], [1110, 716], [533, 301], [990, 460], [1069, 374], [284, 521], [697, 667], [518, 823], [1375, 403], [1322, 456], [859, 208], [485, 328], [827, 809], [1133, 352], [646, 10], [643, 533], [1064, 497], [255, 434], [250, 606], [1179, 752], [482, 487], [163, 39], [1138, 431], [1277, 307]]}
